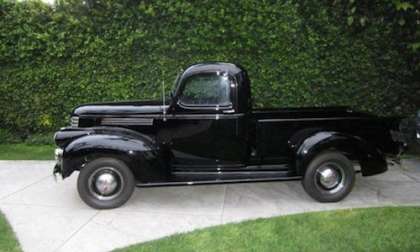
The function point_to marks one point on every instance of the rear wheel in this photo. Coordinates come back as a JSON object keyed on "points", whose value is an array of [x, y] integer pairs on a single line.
{"points": [[105, 183], [329, 177]]}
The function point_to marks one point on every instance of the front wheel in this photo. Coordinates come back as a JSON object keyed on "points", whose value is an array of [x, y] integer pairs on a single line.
{"points": [[105, 183], [329, 177]]}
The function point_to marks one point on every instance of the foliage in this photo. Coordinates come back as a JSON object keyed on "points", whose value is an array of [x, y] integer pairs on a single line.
{"points": [[8, 137], [402, 17], [372, 229], [53, 58], [400, 20], [40, 139]]}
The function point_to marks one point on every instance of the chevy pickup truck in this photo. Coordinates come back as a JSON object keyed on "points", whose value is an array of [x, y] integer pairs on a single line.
{"points": [[207, 132]]}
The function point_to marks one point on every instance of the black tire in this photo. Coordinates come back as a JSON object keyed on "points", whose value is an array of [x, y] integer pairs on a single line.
{"points": [[320, 187], [124, 178]]}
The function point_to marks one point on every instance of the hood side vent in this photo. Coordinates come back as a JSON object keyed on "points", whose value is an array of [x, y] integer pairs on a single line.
{"points": [[127, 121]]}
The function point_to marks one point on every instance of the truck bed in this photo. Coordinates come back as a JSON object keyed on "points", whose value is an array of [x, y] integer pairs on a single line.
{"points": [[276, 127]]}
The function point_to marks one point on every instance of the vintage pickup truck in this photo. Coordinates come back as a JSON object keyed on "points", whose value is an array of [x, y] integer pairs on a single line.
{"points": [[207, 132]]}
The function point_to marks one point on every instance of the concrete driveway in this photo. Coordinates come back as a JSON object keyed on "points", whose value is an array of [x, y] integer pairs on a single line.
{"points": [[49, 216]]}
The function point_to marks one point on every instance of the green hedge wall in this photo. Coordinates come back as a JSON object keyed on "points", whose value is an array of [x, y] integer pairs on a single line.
{"points": [[53, 58]]}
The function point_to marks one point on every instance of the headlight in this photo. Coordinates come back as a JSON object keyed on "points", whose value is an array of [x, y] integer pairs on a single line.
{"points": [[74, 121], [58, 153]]}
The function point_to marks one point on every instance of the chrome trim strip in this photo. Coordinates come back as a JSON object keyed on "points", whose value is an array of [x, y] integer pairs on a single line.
{"points": [[309, 119], [123, 116], [176, 116], [204, 116]]}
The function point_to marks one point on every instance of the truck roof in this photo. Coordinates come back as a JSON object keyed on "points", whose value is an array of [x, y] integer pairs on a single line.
{"points": [[230, 68]]}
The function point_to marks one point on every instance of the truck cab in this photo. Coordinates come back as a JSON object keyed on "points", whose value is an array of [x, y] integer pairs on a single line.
{"points": [[208, 132]]}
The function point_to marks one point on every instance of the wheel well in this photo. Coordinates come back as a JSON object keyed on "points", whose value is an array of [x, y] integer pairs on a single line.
{"points": [[83, 160], [371, 159], [350, 156], [142, 169], [356, 156]]}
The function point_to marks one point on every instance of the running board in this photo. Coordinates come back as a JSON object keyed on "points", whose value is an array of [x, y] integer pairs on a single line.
{"points": [[220, 181]]}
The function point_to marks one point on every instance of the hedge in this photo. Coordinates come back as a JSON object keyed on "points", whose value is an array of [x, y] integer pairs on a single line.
{"points": [[53, 58]]}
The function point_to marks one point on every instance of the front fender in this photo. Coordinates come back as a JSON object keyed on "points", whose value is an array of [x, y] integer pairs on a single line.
{"points": [[139, 152], [372, 161]]}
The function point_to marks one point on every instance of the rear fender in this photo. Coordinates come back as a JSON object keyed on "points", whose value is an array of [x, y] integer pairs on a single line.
{"points": [[371, 160], [138, 151]]}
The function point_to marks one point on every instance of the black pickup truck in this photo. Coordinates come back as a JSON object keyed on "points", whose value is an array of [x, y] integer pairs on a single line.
{"points": [[207, 132]]}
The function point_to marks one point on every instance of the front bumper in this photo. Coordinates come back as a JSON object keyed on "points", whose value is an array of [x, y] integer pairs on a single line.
{"points": [[58, 167]]}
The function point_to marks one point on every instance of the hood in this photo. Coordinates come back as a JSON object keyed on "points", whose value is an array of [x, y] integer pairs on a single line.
{"points": [[120, 108]]}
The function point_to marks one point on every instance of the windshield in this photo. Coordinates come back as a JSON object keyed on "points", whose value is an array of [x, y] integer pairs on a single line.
{"points": [[206, 90]]}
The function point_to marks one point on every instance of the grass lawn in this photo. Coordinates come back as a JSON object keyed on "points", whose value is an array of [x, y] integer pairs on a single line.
{"points": [[26, 152], [8, 240], [371, 229]]}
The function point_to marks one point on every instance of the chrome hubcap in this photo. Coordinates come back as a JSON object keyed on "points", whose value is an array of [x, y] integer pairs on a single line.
{"points": [[106, 183], [329, 177]]}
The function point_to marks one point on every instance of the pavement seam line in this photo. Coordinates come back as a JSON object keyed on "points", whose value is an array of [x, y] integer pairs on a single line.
{"points": [[25, 187], [407, 173], [122, 211], [77, 231]]}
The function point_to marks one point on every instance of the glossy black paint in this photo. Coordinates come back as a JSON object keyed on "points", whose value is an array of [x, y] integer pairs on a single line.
{"points": [[371, 161], [418, 127], [174, 143], [127, 145]]}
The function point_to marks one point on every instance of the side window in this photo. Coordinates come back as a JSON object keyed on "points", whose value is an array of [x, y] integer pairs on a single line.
{"points": [[206, 90]]}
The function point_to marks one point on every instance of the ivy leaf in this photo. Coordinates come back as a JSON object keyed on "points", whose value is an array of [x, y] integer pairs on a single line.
{"points": [[401, 21], [403, 5], [350, 20]]}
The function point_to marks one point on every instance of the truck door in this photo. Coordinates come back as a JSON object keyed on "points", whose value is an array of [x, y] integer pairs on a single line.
{"points": [[207, 134]]}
